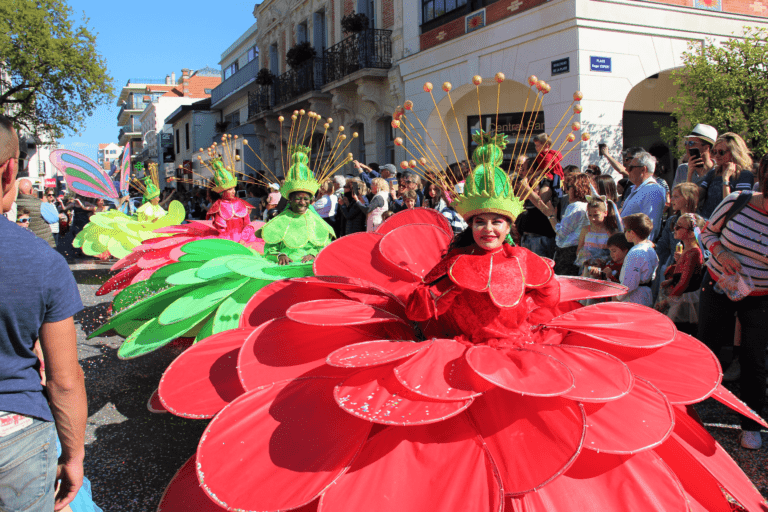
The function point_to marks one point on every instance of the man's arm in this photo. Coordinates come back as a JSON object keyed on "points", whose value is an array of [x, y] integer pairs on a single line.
{"points": [[614, 163], [66, 392]]}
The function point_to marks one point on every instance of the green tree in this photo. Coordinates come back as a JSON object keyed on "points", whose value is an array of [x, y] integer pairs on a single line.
{"points": [[724, 85], [51, 75]]}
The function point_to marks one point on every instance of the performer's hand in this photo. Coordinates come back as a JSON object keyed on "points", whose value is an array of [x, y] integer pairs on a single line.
{"points": [[308, 258], [284, 260]]}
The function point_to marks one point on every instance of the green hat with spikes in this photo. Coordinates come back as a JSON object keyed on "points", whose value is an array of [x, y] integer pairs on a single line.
{"points": [[299, 177], [487, 189], [152, 191], [223, 178]]}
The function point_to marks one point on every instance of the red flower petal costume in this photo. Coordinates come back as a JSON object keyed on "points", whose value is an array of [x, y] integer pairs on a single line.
{"points": [[406, 382]]}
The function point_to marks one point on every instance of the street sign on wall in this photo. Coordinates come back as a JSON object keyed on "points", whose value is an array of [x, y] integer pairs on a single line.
{"points": [[602, 64]]}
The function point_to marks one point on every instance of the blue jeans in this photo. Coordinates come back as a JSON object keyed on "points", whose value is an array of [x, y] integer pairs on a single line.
{"points": [[28, 468]]}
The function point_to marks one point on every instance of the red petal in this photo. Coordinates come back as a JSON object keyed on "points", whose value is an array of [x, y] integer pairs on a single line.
{"points": [[283, 349], [118, 281], [704, 466], [278, 448], [418, 469], [128, 260], [619, 323], [358, 255], [375, 395], [441, 372], [330, 312], [521, 371], [471, 272], [580, 288], [374, 353], [155, 258], [155, 405], [724, 396], [686, 371], [531, 440], [398, 247], [639, 421], [203, 379], [415, 216], [184, 492], [600, 482], [598, 376], [507, 285], [273, 300]]}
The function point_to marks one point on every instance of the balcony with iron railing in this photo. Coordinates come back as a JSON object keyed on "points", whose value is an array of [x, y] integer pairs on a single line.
{"points": [[129, 131], [260, 100], [371, 48], [296, 82], [243, 77], [136, 106]]}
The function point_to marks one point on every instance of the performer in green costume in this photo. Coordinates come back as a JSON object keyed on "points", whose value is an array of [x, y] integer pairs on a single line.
{"points": [[298, 233], [205, 289]]}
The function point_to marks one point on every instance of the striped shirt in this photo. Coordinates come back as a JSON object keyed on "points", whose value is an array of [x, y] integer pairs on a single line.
{"points": [[746, 236]]}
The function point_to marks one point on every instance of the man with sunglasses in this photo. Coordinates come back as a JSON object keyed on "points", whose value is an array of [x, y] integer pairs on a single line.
{"points": [[38, 299], [27, 198]]}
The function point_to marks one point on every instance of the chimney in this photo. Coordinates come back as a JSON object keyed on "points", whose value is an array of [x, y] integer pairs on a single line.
{"points": [[167, 79], [173, 78], [185, 81]]}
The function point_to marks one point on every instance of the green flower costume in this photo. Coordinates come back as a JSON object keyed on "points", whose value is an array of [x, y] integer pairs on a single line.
{"points": [[206, 287], [112, 233]]}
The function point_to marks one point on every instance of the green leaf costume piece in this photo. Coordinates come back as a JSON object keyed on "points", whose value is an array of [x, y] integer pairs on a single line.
{"points": [[118, 233], [295, 235]]}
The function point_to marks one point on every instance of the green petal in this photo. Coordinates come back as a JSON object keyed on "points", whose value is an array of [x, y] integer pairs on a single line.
{"points": [[206, 329], [199, 299], [153, 335], [228, 314], [252, 267], [214, 247], [168, 270], [217, 267], [185, 277]]}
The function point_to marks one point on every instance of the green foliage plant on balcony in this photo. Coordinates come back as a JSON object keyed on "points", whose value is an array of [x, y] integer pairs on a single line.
{"points": [[265, 77], [299, 54], [353, 22]]}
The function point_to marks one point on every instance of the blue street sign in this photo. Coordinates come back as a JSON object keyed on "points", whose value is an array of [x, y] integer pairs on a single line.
{"points": [[600, 64]]}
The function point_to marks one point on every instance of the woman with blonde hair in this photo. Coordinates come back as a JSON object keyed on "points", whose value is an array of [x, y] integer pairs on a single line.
{"points": [[731, 173], [379, 203]]}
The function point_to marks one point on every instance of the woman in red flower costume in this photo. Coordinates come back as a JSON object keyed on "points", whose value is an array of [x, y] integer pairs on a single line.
{"points": [[405, 376]]}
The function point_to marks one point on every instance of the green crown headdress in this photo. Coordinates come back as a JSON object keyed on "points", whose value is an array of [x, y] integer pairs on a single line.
{"points": [[299, 177], [487, 188], [223, 178]]}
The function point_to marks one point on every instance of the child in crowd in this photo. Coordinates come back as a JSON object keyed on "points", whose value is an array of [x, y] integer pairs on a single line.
{"points": [[679, 297], [22, 218], [641, 261], [603, 222], [409, 199], [618, 247]]}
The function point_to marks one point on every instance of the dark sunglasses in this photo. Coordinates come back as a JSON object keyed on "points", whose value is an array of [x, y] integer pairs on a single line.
{"points": [[690, 143], [720, 152], [22, 221], [681, 227]]}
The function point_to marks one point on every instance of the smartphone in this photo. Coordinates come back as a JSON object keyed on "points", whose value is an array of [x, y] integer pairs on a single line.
{"points": [[354, 188], [694, 153], [601, 147]]}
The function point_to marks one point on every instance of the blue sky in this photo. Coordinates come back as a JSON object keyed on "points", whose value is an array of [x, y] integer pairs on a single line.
{"points": [[151, 40]]}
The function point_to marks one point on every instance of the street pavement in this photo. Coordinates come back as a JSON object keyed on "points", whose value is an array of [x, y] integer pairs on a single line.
{"points": [[132, 454]]}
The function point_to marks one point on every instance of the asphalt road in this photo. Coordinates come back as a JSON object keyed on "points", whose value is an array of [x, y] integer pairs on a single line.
{"points": [[132, 454]]}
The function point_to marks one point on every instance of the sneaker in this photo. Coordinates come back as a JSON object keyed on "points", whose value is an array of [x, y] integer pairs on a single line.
{"points": [[751, 440], [733, 372]]}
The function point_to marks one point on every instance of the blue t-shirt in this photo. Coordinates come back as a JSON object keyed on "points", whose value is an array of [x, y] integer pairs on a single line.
{"points": [[36, 287]]}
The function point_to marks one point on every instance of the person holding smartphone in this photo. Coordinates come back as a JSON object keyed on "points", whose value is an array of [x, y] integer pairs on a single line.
{"points": [[698, 146]]}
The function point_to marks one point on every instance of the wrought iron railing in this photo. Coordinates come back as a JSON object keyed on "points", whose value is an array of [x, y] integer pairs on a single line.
{"points": [[244, 75], [260, 100], [306, 77], [371, 48]]}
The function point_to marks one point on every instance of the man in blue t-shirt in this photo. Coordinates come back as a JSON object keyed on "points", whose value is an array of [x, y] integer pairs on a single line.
{"points": [[38, 298]]}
